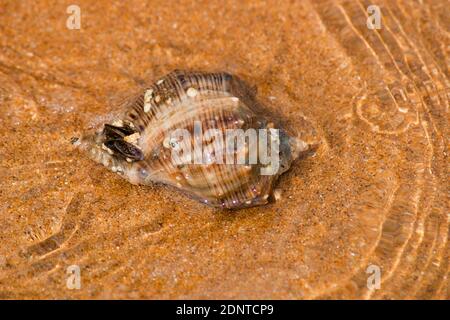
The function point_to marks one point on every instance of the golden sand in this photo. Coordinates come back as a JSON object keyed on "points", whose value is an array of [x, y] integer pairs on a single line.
{"points": [[373, 195]]}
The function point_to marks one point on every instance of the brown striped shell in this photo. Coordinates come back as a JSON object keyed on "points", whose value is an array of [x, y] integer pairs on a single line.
{"points": [[136, 145]]}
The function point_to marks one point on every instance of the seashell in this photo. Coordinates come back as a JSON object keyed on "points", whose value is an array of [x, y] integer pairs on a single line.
{"points": [[142, 148]]}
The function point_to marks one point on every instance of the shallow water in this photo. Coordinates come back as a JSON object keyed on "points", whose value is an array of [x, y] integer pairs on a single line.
{"points": [[375, 193]]}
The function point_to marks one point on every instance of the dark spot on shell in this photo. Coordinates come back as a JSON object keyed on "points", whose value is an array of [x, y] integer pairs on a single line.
{"points": [[113, 132], [125, 149]]}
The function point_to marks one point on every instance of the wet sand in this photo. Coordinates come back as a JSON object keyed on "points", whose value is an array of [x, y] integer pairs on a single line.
{"points": [[375, 193]]}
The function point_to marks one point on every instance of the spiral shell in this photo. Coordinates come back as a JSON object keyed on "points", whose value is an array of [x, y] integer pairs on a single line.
{"points": [[139, 147]]}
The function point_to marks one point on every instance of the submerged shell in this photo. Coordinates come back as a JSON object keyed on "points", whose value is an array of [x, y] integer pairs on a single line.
{"points": [[138, 145]]}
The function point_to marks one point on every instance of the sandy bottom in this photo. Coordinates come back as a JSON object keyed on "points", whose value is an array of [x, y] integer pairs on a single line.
{"points": [[373, 197]]}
